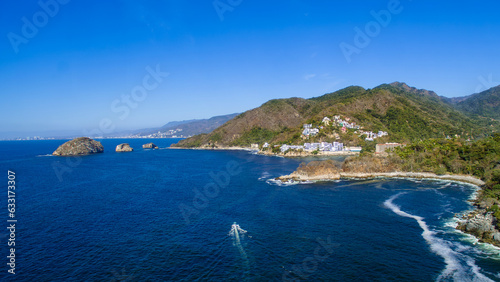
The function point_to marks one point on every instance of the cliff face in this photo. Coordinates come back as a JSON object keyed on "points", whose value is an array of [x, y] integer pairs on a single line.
{"points": [[79, 146]]}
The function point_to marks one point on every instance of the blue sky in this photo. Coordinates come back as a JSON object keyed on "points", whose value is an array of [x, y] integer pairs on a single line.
{"points": [[70, 65]]}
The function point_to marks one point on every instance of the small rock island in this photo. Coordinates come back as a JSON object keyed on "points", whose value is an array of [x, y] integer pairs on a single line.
{"points": [[149, 146], [79, 146], [124, 147]]}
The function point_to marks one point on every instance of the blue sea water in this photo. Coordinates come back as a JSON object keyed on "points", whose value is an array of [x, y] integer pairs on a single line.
{"points": [[167, 215]]}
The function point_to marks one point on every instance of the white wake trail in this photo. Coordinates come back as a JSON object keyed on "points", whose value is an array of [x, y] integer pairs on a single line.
{"points": [[235, 233], [455, 269]]}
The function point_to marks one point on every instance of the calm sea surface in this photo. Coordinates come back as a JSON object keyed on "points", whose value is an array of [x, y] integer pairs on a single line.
{"points": [[167, 215]]}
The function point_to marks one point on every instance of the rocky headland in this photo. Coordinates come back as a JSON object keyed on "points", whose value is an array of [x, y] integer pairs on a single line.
{"points": [[376, 167], [79, 146], [124, 147]]}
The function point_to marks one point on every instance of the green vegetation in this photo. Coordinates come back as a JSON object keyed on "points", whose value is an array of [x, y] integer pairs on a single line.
{"points": [[195, 141], [255, 135], [482, 104], [480, 158], [368, 147]]}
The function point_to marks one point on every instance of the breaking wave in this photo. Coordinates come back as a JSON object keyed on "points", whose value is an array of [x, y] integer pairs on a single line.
{"points": [[459, 267]]}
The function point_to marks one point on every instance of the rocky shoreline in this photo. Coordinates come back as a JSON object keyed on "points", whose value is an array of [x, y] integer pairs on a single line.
{"points": [[398, 174], [481, 224], [289, 154], [234, 148]]}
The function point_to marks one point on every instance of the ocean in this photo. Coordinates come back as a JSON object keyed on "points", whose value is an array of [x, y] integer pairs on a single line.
{"points": [[198, 215]]}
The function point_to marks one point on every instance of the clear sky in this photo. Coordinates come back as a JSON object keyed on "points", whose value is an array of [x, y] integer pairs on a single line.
{"points": [[102, 65]]}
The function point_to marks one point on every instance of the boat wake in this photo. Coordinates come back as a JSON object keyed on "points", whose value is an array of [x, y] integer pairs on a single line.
{"points": [[459, 267], [236, 233]]}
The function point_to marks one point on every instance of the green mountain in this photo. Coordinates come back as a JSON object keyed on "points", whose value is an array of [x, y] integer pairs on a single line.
{"points": [[486, 103], [406, 113]]}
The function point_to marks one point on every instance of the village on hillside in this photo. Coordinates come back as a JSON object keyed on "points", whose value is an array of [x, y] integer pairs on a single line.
{"points": [[339, 123]]}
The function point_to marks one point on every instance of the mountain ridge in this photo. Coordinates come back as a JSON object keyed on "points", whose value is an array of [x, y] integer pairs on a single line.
{"points": [[191, 127], [407, 113]]}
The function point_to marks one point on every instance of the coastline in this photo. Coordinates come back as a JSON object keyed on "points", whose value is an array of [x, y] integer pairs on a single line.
{"points": [[410, 175], [216, 148], [268, 153], [292, 154]]}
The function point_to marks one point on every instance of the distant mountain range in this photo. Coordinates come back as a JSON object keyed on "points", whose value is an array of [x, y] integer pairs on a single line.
{"points": [[189, 127], [180, 129], [405, 112]]}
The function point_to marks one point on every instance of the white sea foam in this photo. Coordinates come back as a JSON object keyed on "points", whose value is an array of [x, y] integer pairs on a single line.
{"points": [[47, 155], [445, 185], [459, 267], [278, 182], [264, 175]]}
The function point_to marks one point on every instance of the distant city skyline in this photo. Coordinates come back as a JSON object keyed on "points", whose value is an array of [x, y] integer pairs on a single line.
{"points": [[109, 66]]}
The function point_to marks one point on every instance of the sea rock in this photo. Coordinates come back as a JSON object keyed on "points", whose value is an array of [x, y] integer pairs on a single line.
{"points": [[124, 147], [149, 146], [79, 146]]}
